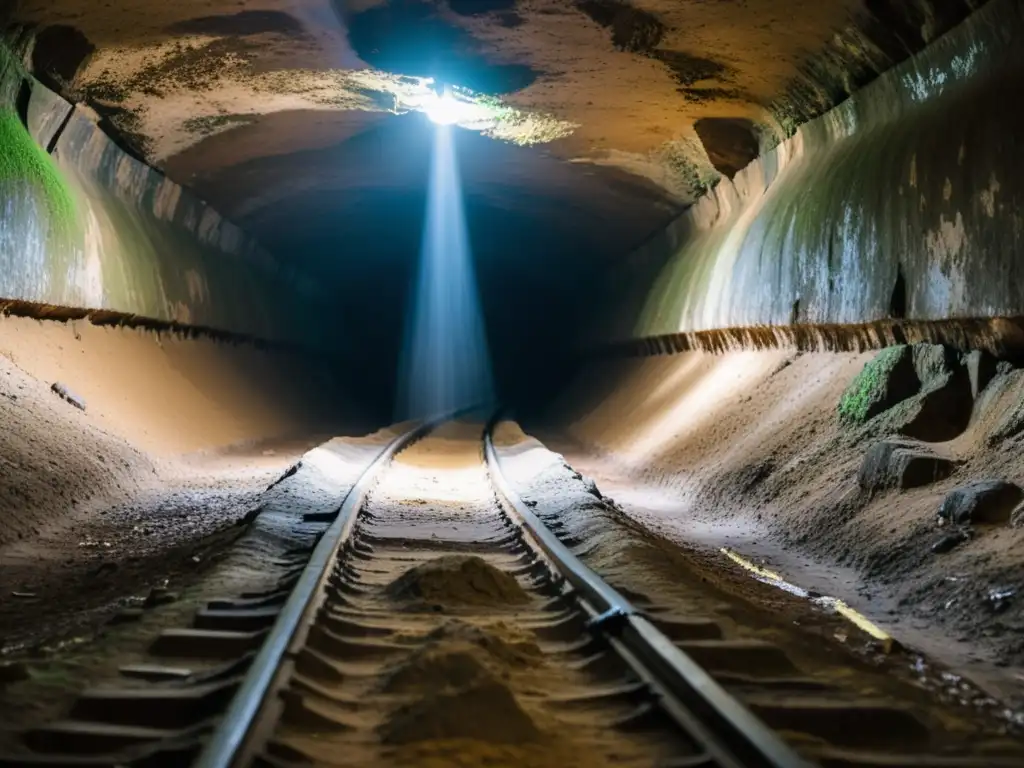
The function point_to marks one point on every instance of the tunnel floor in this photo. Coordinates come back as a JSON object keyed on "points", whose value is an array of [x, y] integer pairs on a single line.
{"points": [[730, 446]]}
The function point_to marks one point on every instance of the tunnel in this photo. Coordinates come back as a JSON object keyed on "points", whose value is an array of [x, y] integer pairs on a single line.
{"points": [[511, 383]]}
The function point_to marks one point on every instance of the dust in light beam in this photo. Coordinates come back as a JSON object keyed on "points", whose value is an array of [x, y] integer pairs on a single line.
{"points": [[445, 363]]}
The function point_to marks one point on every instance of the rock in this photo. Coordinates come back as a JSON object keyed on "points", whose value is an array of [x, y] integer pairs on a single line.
{"points": [[942, 410], [933, 363], [66, 394], [983, 501], [981, 369], [950, 541], [159, 596], [13, 672], [901, 464], [885, 381]]}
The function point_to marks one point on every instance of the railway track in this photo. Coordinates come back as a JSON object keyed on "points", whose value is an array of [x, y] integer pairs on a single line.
{"points": [[439, 622]]}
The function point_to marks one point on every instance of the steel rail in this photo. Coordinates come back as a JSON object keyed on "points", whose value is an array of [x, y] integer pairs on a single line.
{"points": [[229, 738], [730, 735]]}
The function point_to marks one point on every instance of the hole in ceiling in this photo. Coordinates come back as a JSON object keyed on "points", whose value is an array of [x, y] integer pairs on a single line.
{"points": [[241, 23], [408, 37], [58, 52], [731, 142]]}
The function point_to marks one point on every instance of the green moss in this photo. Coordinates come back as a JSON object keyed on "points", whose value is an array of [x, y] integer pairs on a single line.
{"points": [[21, 159], [873, 390]]}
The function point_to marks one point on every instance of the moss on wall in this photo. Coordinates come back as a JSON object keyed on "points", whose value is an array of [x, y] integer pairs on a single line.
{"points": [[22, 160], [886, 380], [868, 215]]}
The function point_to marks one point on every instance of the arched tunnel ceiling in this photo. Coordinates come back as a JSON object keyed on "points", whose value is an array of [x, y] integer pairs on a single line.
{"points": [[614, 113]]}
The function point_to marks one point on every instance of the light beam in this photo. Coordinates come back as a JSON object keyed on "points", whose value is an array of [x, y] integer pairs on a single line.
{"points": [[445, 362]]}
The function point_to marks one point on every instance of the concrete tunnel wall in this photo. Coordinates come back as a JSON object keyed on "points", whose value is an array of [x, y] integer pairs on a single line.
{"points": [[87, 226], [903, 205]]}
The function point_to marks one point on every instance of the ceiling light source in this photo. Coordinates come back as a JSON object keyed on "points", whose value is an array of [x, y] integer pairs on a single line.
{"points": [[443, 109]]}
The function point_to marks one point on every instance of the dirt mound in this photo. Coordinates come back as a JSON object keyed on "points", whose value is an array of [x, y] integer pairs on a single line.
{"points": [[457, 655], [483, 711], [500, 641], [437, 669], [458, 580]]}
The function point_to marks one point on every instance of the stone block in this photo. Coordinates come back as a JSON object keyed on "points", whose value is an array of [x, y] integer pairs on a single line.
{"points": [[983, 501], [901, 464]]}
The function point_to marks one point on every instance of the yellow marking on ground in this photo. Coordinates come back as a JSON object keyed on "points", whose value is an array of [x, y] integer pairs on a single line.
{"points": [[750, 566], [854, 617]]}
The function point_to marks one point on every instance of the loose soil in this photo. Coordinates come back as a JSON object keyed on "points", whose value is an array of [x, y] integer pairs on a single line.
{"points": [[466, 683], [151, 487], [746, 450], [457, 580], [674, 583]]}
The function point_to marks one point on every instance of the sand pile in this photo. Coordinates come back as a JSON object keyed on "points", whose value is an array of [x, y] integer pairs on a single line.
{"points": [[437, 669], [500, 641], [486, 710], [457, 655], [458, 580]]}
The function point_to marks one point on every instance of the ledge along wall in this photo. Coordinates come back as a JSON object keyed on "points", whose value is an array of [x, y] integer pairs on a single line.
{"points": [[898, 215], [86, 226]]}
